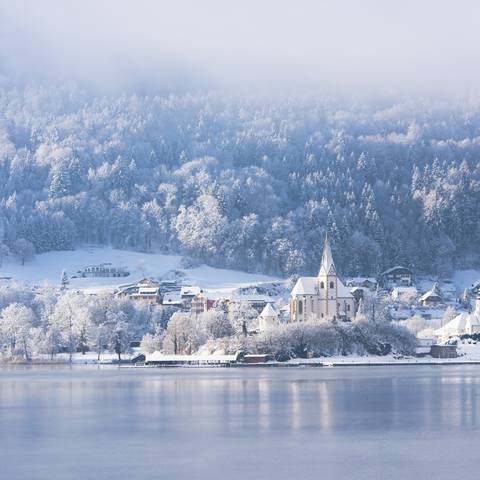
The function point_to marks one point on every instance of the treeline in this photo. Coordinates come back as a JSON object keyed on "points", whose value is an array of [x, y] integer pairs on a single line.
{"points": [[47, 322], [248, 183]]}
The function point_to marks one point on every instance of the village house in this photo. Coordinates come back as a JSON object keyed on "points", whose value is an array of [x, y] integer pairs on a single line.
{"points": [[201, 304], [362, 282], [463, 324], [168, 286], [103, 270], [397, 276], [358, 294], [172, 299], [268, 318], [187, 294], [323, 297], [432, 298], [146, 290], [475, 288], [404, 294]]}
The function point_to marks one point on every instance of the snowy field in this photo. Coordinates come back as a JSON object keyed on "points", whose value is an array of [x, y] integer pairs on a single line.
{"points": [[465, 278], [46, 269]]}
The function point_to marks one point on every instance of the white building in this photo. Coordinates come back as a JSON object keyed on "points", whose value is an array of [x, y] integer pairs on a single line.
{"points": [[404, 294], [323, 297], [463, 324], [268, 318], [431, 298]]}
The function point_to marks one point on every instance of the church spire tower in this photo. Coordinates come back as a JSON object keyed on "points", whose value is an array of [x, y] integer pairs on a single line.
{"points": [[327, 266], [324, 297]]}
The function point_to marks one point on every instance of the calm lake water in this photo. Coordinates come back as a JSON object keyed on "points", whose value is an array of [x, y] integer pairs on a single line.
{"points": [[331, 423]]}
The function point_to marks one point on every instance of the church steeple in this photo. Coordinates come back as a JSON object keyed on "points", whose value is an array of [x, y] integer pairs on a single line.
{"points": [[327, 267]]}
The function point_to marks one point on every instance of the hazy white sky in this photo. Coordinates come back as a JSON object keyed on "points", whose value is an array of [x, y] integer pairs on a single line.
{"points": [[425, 45]]}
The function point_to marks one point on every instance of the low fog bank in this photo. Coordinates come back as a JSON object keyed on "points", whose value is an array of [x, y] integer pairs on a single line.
{"points": [[369, 47]]}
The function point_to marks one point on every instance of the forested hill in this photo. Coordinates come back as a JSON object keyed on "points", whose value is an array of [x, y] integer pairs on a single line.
{"points": [[247, 183]]}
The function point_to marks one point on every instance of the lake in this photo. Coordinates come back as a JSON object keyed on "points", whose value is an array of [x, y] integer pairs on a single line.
{"points": [[239, 423]]}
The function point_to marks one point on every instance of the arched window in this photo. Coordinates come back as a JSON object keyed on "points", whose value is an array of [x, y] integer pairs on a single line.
{"points": [[300, 307], [322, 285], [332, 285], [348, 307]]}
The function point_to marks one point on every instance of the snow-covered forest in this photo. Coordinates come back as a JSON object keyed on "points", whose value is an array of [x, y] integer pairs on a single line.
{"points": [[242, 182]]}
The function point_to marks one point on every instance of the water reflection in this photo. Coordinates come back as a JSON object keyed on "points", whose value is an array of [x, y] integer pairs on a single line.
{"points": [[165, 411]]}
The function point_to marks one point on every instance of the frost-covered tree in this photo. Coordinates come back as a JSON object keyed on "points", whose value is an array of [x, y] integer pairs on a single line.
{"points": [[4, 252], [24, 249], [64, 281], [120, 333], [184, 334], [217, 324], [152, 342], [15, 325]]}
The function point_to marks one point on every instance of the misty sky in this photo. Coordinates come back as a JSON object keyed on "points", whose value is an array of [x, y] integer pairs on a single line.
{"points": [[422, 45]]}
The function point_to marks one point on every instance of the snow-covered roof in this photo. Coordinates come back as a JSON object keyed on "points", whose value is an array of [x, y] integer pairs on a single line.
{"points": [[148, 290], [327, 267], [268, 311], [342, 290], [355, 289], [161, 357], [461, 323], [454, 326], [172, 299], [430, 295], [405, 290], [305, 286], [189, 291], [308, 286], [362, 279], [398, 267]]}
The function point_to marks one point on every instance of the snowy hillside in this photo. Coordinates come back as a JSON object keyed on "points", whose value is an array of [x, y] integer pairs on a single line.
{"points": [[465, 278], [47, 268]]}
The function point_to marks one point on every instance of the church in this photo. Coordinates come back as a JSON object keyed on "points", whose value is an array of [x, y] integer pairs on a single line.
{"points": [[324, 297]]}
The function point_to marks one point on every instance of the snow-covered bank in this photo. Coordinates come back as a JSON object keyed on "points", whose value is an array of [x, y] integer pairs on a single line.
{"points": [[89, 358], [468, 354]]}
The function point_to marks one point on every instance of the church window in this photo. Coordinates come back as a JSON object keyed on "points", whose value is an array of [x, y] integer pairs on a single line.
{"points": [[332, 285], [348, 307], [322, 285], [312, 304], [300, 307]]}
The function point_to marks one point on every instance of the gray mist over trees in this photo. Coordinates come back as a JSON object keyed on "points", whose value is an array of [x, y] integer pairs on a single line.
{"points": [[146, 45]]}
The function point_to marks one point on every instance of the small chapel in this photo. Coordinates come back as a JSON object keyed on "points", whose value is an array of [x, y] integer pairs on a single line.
{"points": [[324, 297]]}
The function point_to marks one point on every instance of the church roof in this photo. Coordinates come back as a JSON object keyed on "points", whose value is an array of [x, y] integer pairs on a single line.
{"points": [[268, 311], [308, 286], [460, 323], [305, 286], [342, 290], [327, 266]]}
